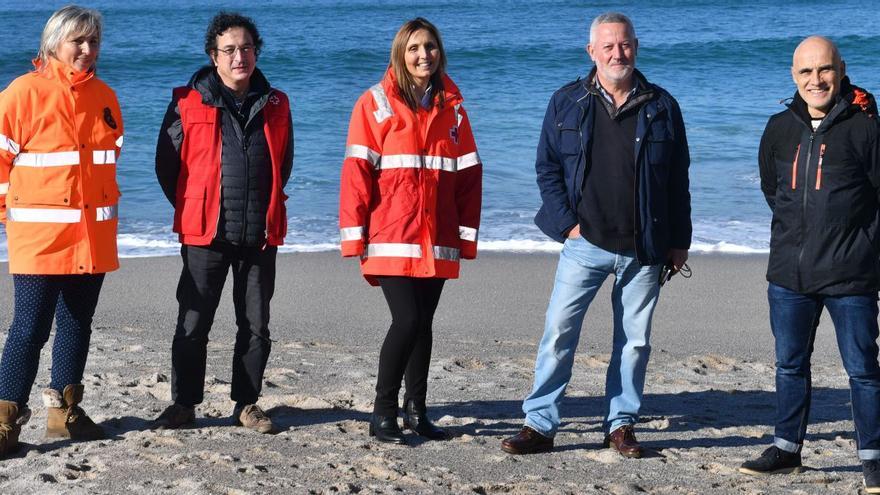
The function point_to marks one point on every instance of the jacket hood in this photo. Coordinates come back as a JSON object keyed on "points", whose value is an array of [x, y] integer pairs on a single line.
{"points": [[207, 83], [451, 94], [858, 99]]}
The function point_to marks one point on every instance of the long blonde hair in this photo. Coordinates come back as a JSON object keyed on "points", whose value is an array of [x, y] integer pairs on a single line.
{"points": [[66, 23], [405, 81]]}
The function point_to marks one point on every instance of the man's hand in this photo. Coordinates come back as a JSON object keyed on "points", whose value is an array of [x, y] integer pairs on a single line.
{"points": [[677, 258], [575, 232]]}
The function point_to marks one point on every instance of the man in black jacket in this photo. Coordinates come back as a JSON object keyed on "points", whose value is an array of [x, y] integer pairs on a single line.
{"points": [[820, 173], [224, 155]]}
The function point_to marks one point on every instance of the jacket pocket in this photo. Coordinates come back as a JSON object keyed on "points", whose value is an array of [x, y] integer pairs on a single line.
{"points": [[199, 115], [42, 196], [659, 142], [192, 212], [396, 204], [110, 195], [569, 140]]}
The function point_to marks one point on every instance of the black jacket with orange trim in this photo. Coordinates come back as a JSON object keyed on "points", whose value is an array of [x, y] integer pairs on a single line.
{"points": [[823, 187]]}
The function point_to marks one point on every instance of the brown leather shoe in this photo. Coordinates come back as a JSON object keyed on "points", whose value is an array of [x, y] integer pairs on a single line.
{"points": [[624, 441], [527, 441]]}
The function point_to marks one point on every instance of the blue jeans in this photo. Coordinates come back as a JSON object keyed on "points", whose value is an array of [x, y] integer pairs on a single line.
{"points": [[793, 319], [582, 269]]}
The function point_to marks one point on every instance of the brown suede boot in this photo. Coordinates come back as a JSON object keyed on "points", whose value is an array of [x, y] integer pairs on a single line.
{"points": [[10, 425], [65, 419]]}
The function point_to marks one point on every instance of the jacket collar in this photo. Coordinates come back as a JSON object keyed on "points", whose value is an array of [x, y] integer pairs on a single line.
{"points": [[451, 94], [644, 91], [852, 99], [59, 71], [207, 83]]}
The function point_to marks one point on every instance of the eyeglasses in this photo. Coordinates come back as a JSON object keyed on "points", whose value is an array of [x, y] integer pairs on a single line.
{"points": [[230, 50], [667, 272]]}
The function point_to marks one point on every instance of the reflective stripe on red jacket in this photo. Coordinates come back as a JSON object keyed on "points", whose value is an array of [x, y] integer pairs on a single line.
{"points": [[411, 187], [197, 204], [60, 136]]}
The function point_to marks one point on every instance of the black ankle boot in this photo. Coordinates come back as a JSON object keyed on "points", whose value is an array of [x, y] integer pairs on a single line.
{"points": [[385, 429], [416, 419]]}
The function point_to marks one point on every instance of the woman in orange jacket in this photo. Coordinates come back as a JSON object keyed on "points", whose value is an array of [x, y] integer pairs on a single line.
{"points": [[409, 206], [60, 135]]}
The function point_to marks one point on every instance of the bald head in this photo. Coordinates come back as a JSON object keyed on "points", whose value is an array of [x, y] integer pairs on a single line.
{"points": [[816, 45], [817, 70]]}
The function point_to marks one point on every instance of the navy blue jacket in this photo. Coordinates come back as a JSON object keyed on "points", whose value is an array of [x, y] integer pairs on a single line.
{"points": [[663, 209]]}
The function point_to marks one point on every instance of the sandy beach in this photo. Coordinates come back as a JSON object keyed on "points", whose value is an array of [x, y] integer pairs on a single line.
{"points": [[708, 404]]}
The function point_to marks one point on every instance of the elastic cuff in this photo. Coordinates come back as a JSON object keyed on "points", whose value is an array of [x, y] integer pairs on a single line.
{"points": [[352, 248], [869, 455], [468, 250], [787, 446]]}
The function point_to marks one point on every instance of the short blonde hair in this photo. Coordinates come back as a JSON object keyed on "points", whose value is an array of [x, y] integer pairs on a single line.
{"points": [[68, 23]]}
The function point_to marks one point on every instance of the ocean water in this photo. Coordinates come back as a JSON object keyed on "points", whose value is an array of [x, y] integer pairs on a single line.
{"points": [[726, 63]]}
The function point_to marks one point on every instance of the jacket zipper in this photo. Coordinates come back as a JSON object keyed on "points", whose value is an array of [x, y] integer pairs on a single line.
{"points": [[804, 206], [89, 268], [641, 141], [819, 167], [247, 170], [432, 113]]}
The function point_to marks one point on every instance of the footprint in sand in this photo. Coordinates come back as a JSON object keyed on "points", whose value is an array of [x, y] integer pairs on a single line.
{"points": [[604, 456]]}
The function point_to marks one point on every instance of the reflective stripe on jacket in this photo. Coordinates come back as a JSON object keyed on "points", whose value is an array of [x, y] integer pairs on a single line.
{"points": [[197, 202], [60, 135], [411, 185]]}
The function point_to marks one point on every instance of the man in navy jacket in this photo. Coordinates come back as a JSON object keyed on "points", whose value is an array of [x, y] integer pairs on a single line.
{"points": [[612, 167]]}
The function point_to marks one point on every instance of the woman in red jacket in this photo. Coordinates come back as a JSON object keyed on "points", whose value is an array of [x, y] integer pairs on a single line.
{"points": [[409, 206], [60, 135]]}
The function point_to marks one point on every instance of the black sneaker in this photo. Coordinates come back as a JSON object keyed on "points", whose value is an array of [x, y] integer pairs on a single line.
{"points": [[871, 471], [773, 461]]}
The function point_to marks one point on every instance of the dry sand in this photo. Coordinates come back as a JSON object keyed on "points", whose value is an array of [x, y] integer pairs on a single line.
{"points": [[708, 404]]}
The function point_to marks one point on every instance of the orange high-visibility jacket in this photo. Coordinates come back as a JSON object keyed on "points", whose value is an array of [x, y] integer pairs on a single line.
{"points": [[409, 200], [60, 136]]}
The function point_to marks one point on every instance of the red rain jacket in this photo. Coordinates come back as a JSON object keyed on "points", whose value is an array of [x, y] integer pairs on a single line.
{"points": [[411, 188]]}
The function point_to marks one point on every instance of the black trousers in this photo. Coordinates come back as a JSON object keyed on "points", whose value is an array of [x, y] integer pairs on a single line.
{"points": [[406, 352], [201, 284]]}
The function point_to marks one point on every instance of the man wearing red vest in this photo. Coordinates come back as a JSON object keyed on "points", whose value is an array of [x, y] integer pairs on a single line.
{"points": [[224, 155]]}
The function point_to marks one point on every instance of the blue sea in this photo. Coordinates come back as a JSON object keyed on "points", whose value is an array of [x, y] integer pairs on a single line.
{"points": [[726, 62]]}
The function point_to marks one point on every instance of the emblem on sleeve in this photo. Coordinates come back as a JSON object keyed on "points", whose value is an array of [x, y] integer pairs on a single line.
{"points": [[453, 134], [108, 118], [274, 100]]}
